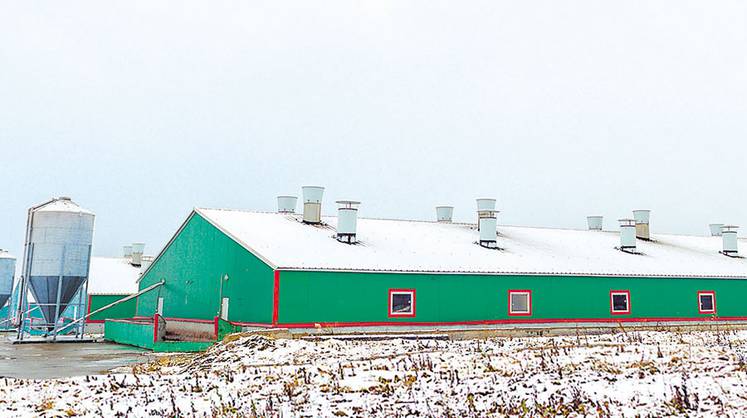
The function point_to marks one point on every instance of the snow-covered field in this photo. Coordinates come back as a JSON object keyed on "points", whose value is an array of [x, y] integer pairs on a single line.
{"points": [[623, 374]]}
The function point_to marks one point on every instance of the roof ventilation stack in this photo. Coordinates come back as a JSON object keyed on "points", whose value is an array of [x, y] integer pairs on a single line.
{"points": [[444, 213], [485, 207], [594, 222], [137, 253], [147, 261], [627, 235], [487, 223], [641, 224], [347, 221], [312, 204], [729, 237], [287, 204], [715, 229], [127, 251]]}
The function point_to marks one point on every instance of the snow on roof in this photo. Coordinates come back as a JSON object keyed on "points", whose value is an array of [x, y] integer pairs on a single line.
{"points": [[112, 276], [284, 242], [62, 205]]}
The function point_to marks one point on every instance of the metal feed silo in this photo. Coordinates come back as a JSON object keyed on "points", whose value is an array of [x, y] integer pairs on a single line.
{"points": [[7, 271], [59, 234]]}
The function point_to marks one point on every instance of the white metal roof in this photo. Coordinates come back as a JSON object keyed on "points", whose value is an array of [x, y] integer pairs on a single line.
{"points": [[112, 276], [62, 205], [284, 242]]}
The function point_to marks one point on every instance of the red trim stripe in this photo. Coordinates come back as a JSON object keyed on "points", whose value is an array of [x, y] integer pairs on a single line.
{"points": [[155, 328], [88, 312], [196, 321], [276, 298], [506, 321], [457, 323], [251, 324]]}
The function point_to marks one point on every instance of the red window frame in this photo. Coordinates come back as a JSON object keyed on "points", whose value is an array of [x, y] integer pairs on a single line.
{"points": [[612, 305], [713, 298], [529, 302], [401, 315]]}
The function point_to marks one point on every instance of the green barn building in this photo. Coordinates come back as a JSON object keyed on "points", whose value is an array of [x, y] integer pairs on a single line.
{"points": [[303, 271]]}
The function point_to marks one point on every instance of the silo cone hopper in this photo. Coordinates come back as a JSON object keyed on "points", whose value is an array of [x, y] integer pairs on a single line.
{"points": [[45, 288], [58, 251]]}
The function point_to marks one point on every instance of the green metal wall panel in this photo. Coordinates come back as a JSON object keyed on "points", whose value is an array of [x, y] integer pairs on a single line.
{"points": [[192, 267], [226, 328], [123, 310], [139, 334], [308, 297], [181, 346]]}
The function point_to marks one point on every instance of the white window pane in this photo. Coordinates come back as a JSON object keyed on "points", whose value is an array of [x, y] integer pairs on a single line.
{"points": [[620, 302], [706, 302], [519, 302], [401, 303]]}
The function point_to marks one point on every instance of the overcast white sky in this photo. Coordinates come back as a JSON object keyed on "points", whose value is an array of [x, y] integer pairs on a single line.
{"points": [[141, 110]]}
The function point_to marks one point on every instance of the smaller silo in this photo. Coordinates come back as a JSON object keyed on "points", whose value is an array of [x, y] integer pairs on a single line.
{"points": [[7, 271]]}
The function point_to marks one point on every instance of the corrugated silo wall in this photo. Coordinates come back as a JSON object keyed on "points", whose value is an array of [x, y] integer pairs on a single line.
{"points": [[342, 297], [192, 267]]}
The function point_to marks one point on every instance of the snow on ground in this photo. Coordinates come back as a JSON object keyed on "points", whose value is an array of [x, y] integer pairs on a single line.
{"points": [[623, 374]]}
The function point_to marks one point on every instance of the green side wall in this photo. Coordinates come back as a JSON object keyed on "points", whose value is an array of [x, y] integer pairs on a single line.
{"points": [[192, 266], [226, 328], [308, 297], [138, 334], [123, 310]]}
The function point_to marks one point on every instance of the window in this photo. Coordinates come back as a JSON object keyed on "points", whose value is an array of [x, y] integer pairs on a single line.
{"points": [[620, 302], [707, 302], [519, 302], [402, 303]]}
